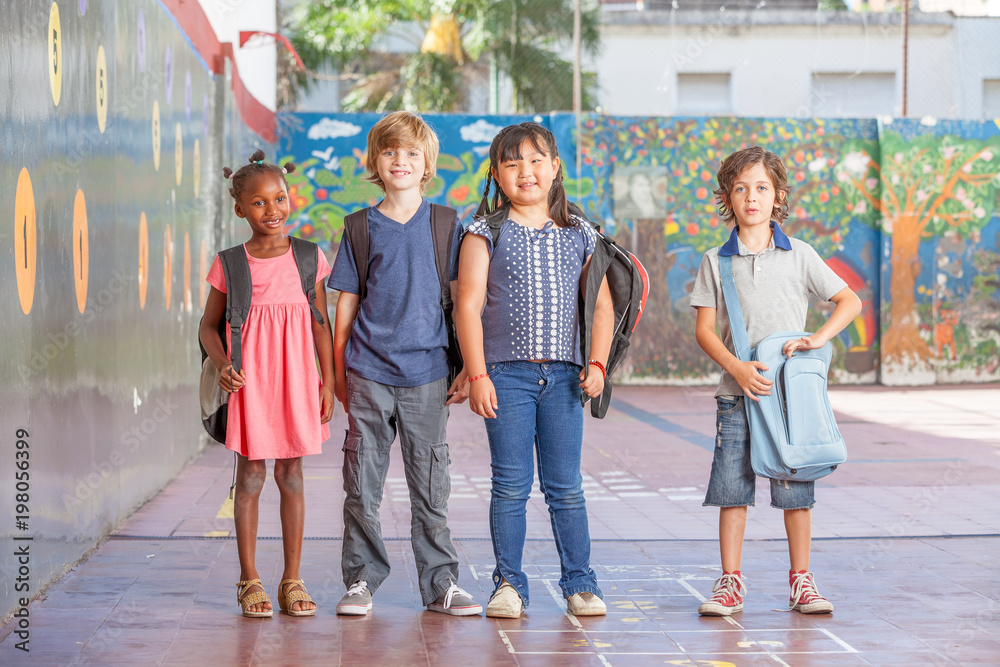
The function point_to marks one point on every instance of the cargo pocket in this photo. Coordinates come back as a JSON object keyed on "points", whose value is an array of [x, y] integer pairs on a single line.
{"points": [[440, 477], [352, 466]]}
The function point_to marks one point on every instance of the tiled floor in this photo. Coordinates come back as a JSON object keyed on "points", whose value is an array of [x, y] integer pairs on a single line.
{"points": [[907, 547]]}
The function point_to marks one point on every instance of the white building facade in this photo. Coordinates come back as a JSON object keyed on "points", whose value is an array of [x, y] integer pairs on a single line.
{"points": [[794, 63]]}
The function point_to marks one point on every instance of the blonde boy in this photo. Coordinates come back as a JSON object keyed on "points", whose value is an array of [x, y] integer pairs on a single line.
{"points": [[390, 354]]}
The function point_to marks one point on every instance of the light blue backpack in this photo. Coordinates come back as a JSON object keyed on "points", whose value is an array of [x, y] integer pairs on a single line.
{"points": [[793, 434]]}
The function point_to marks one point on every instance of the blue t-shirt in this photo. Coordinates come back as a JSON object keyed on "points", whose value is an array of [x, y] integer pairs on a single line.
{"points": [[399, 337], [532, 291]]}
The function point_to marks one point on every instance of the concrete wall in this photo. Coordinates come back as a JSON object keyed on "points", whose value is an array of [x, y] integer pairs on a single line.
{"points": [[112, 136]]}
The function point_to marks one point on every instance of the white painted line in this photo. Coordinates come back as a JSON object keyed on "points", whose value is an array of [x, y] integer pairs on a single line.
{"points": [[639, 494], [503, 638], [685, 497], [847, 647], [561, 602]]}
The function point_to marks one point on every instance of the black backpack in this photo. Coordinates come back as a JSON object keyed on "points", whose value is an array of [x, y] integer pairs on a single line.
{"points": [[629, 286], [239, 291], [443, 221]]}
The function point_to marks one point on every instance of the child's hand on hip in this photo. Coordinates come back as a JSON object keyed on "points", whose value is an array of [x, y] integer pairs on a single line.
{"points": [[593, 385], [483, 398], [753, 384], [231, 381], [326, 404]]}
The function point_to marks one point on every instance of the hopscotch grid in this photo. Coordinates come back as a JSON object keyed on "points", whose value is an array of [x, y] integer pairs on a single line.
{"points": [[672, 636]]}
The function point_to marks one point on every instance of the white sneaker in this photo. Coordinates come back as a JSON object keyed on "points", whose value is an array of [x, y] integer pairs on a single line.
{"points": [[456, 602], [586, 604], [505, 603], [358, 600]]}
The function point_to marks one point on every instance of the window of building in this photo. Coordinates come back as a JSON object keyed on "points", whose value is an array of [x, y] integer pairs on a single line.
{"points": [[702, 94], [853, 95], [991, 98]]}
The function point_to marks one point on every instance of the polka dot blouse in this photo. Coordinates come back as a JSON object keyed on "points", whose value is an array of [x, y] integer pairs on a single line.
{"points": [[533, 291]]}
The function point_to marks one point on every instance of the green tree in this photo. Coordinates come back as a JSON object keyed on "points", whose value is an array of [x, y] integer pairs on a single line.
{"points": [[522, 39]]}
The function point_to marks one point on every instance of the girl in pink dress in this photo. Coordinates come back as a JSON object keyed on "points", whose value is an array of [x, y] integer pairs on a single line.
{"points": [[278, 407]]}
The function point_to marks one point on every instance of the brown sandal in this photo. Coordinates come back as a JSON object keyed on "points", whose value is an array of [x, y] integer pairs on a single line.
{"points": [[246, 599], [299, 594]]}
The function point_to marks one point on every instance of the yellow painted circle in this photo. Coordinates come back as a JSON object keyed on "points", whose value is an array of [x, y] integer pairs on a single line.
{"points": [[55, 54], [156, 135], [178, 153], [196, 170], [187, 272], [24, 240], [168, 265], [81, 250], [202, 271], [143, 259], [102, 89]]}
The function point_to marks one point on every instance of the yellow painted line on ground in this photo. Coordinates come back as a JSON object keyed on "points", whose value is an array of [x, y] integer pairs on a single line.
{"points": [[226, 511], [217, 533]]}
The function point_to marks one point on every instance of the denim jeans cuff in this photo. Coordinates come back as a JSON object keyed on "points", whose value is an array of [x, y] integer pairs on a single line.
{"points": [[722, 506], [583, 588], [804, 507]]}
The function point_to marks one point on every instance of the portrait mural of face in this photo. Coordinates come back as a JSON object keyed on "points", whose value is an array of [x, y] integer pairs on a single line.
{"points": [[639, 192]]}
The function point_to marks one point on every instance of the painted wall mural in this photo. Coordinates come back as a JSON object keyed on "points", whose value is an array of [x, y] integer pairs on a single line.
{"points": [[109, 218], [904, 211]]}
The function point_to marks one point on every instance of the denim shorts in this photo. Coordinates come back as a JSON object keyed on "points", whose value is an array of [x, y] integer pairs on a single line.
{"points": [[733, 481]]}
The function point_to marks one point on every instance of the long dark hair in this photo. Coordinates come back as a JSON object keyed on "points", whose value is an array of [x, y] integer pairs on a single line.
{"points": [[506, 146]]}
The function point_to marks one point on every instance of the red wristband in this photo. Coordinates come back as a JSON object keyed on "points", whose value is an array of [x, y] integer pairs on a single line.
{"points": [[595, 362], [479, 377]]}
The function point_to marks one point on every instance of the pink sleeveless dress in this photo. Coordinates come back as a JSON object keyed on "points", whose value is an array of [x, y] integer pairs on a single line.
{"points": [[276, 415]]}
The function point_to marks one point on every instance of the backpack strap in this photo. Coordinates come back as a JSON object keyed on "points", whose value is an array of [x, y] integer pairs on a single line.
{"points": [[239, 292], [495, 222], [356, 233], [737, 325], [306, 254], [443, 221]]}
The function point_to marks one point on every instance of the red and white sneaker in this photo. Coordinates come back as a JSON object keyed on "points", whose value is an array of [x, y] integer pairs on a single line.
{"points": [[728, 590], [805, 598]]}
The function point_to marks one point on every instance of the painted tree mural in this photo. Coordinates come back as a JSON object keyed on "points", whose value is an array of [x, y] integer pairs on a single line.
{"points": [[691, 151], [922, 187]]}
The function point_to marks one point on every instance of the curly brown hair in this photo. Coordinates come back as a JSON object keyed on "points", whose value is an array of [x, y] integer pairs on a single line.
{"points": [[255, 167], [736, 164]]}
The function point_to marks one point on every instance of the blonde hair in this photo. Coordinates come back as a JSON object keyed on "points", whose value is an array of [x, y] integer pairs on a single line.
{"points": [[402, 129]]}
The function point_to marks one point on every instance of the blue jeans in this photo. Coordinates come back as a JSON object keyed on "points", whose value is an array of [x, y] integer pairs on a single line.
{"points": [[539, 414], [733, 482]]}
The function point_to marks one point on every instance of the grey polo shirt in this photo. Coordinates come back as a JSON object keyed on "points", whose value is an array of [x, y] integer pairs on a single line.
{"points": [[774, 287]]}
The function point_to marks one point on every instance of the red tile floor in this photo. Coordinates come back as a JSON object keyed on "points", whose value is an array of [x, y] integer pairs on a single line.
{"points": [[907, 546]]}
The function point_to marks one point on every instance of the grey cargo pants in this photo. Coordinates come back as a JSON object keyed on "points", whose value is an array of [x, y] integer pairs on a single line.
{"points": [[376, 412]]}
